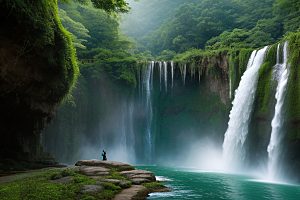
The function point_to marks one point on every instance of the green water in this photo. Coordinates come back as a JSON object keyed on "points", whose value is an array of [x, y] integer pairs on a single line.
{"points": [[195, 184]]}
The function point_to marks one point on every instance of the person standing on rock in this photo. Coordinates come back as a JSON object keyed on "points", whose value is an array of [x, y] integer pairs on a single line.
{"points": [[104, 155]]}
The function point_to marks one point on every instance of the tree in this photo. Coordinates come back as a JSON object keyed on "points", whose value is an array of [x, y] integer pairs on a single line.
{"points": [[79, 33], [117, 6], [288, 12]]}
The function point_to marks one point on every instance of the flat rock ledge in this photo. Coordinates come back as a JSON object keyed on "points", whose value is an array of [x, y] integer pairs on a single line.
{"points": [[98, 169], [139, 176], [107, 164], [93, 171]]}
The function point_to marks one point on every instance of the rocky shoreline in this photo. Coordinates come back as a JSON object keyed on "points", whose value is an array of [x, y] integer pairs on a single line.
{"points": [[132, 183], [131, 178]]}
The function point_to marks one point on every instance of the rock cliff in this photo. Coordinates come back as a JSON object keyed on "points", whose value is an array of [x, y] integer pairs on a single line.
{"points": [[37, 69]]}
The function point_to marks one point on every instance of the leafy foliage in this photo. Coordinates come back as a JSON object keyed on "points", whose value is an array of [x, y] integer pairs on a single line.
{"points": [[39, 27], [40, 187], [78, 31], [293, 83], [116, 6], [265, 79], [212, 25], [154, 185]]}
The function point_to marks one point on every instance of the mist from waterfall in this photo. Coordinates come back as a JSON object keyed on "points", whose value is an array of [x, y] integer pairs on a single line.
{"points": [[147, 87], [277, 134], [235, 136]]}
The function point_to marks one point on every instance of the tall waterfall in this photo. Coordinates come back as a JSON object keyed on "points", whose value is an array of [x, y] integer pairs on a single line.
{"points": [[251, 59], [274, 148], [160, 74], [235, 136], [147, 85], [172, 72], [166, 75], [183, 73]]}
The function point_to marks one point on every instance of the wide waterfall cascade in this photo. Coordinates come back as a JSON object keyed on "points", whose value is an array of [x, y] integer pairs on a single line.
{"points": [[235, 136], [274, 147]]}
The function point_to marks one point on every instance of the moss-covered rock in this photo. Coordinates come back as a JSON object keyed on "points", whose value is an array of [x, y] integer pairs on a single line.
{"points": [[37, 70]]}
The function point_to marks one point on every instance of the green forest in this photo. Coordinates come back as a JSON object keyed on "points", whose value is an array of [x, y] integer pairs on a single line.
{"points": [[112, 43], [172, 30], [186, 26], [189, 83]]}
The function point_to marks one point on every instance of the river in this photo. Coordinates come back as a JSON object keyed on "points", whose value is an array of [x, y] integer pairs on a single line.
{"points": [[188, 183]]}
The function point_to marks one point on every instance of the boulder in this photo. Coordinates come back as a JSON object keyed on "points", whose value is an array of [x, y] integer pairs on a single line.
{"points": [[139, 181], [139, 176], [91, 188], [93, 171], [121, 183], [130, 193]]}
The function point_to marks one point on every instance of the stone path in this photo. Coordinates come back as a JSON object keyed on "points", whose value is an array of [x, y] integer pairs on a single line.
{"points": [[7, 179], [129, 193]]}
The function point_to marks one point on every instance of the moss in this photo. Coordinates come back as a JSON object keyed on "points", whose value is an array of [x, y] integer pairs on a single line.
{"points": [[293, 92], [263, 90], [244, 56], [115, 174], [233, 71], [238, 61], [39, 187], [37, 27], [154, 185], [294, 83]]}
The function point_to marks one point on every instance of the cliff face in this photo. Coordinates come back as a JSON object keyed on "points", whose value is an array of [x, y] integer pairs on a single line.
{"points": [[115, 118], [193, 111], [36, 70], [27, 103]]}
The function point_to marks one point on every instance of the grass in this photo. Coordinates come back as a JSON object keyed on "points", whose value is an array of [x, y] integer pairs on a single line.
{"points": [[39, 187], [154, 185]]}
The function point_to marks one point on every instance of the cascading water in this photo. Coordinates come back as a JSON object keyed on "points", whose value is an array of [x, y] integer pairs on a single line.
{"points": [[160, 74], [166, 75], [172, 72], [147, 78], [183, 73], [274, 148], [251, 59], [235, 136]]}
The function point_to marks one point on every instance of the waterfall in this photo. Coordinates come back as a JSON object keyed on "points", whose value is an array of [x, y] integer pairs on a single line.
{"points": [[235, 136], [274, 148], [148, 87], [160, 66], [183, 74], [251, 59], [166, 75], [172, 72], [125, 128]]}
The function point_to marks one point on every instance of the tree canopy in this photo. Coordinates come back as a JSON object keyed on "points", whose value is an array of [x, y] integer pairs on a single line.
{"points": [[211, 24], [117, 6]]}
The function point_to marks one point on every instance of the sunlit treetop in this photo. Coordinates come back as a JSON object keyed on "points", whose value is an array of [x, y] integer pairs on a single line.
{"points": [[116, 6]]}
